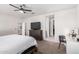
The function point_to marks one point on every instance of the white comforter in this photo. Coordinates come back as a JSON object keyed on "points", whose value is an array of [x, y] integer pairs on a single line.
{"points": [[12, 44]]}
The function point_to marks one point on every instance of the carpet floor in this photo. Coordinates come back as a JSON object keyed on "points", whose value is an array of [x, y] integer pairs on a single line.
{"points": [[47, 47]]}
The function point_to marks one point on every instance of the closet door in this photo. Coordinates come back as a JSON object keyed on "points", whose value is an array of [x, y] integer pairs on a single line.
{"points": [[51, 26]]}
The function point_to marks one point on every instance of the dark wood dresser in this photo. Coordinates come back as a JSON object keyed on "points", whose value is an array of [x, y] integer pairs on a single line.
{"points": [[37, 34]]}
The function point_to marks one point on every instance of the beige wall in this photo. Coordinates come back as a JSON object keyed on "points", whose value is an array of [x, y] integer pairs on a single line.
{"points": [[65, 21], [77, 12], [8, 24]]}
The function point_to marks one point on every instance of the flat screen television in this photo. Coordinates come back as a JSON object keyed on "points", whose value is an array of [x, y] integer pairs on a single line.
{"points": [[35, 25]]}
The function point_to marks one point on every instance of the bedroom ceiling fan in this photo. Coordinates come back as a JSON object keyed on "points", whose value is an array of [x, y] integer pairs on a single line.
{"points": [[21, 8]]}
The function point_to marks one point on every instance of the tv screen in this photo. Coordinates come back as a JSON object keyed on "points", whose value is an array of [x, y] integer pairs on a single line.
{"points": [[35, 25]]}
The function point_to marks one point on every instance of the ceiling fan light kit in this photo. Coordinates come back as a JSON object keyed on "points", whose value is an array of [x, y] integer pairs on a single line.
{"points": [[21, 11]]}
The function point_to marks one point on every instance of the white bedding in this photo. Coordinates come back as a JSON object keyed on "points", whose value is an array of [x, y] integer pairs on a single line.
{"points": [[12, 44]]}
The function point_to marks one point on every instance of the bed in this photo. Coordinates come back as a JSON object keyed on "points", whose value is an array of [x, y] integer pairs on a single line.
{"points": [[16, 44]]}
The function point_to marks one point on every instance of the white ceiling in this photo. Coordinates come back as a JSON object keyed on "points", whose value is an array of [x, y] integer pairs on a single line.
{"points": [[37, 9]]}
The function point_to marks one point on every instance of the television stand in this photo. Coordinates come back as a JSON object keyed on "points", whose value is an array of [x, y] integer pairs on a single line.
{"points": [[37, 34]]}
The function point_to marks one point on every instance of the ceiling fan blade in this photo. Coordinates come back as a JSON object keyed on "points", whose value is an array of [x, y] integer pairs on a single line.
{"points": [[14, 6], [27, 10], [16, 10]]}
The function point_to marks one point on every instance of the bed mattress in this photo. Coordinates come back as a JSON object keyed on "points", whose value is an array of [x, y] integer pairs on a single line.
{"points": [[15, 44]]}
